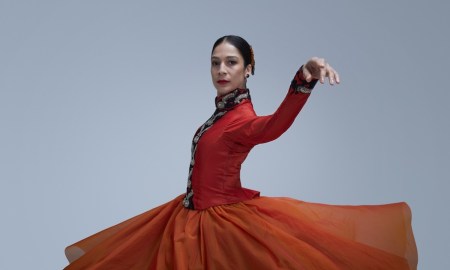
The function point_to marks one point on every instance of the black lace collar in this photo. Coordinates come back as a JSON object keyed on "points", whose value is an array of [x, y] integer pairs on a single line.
{"points": [[228, 101]]}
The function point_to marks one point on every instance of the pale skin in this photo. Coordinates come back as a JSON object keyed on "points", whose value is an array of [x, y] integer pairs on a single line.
{"points": [[228, 71]]}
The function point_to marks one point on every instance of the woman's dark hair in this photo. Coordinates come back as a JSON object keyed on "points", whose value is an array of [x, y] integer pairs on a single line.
{"points": [[243, 47]]}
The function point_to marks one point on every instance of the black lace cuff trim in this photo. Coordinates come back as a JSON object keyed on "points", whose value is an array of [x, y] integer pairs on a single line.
{"points": [[300, 85]]}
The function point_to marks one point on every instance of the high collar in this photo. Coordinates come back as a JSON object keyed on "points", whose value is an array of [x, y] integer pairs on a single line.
{"points": [[228, 101]]}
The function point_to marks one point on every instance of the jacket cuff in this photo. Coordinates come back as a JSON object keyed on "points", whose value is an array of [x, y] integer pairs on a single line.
{"points": [[300, 85]]}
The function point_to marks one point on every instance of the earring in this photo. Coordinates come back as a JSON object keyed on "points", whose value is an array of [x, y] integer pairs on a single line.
{"points": [[246, 76]]}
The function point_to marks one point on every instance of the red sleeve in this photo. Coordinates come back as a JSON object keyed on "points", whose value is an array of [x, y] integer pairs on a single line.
{"points": [[254, 130]]}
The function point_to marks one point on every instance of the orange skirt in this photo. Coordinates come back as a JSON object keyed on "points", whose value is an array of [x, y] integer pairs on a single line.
{"points": [[262, 233]]}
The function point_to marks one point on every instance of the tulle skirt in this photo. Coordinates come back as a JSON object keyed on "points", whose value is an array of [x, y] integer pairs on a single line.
{"points": [[262, 233]]}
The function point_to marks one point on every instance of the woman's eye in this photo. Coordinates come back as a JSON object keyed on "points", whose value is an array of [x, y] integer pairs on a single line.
{"points": [[214, 63], [232, 62]]}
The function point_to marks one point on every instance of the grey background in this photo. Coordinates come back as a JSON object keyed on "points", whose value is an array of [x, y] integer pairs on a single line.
{"points": [[99, 101]]}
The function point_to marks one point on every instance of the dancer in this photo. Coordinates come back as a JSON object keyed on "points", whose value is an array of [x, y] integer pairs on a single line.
{"points": [[218, 224]]}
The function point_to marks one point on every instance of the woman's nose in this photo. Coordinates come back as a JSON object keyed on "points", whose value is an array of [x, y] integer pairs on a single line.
{"points": [[222, 69]]}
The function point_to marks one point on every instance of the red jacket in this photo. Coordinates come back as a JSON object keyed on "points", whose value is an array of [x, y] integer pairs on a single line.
{"points": [[223, 148]]}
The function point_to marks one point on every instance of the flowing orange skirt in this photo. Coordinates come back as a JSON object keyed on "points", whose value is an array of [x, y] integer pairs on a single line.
{"points": [[262, 233]]}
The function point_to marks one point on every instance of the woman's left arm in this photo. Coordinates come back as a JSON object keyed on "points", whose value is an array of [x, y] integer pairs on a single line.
{"points": [[262, 129]]}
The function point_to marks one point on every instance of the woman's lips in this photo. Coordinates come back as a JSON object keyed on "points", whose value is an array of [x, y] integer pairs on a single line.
{"points": [[222, 82]]}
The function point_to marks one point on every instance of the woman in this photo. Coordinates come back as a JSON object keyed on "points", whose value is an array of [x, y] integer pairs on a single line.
{"points": [[218, 224]]}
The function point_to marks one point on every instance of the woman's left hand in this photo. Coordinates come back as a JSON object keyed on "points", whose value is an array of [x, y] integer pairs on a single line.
{"points": [[317, 68]]}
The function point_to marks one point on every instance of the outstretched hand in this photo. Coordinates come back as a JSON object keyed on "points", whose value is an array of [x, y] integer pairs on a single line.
{"points": [[319, 69]]}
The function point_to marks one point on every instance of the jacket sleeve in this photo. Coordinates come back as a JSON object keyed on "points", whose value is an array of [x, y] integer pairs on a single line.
{"points": [[253, 130]]}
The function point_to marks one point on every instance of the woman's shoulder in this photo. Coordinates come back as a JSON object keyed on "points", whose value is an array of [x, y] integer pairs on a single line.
{"points": [[241, 114], [243, 111]]}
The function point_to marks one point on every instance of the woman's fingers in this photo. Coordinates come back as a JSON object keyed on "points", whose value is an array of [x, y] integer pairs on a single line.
{"points": [[336, 77], [323, 72], [333, 76]]}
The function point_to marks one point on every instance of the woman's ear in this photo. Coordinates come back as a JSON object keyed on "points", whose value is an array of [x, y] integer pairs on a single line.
{"points": [[248, 70]]}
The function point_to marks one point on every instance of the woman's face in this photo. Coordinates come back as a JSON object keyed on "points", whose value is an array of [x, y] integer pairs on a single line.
{"points": [[227, 68]]}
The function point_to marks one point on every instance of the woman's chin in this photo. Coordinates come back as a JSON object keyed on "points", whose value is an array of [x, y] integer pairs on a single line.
{"points": [[223, 90]]}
